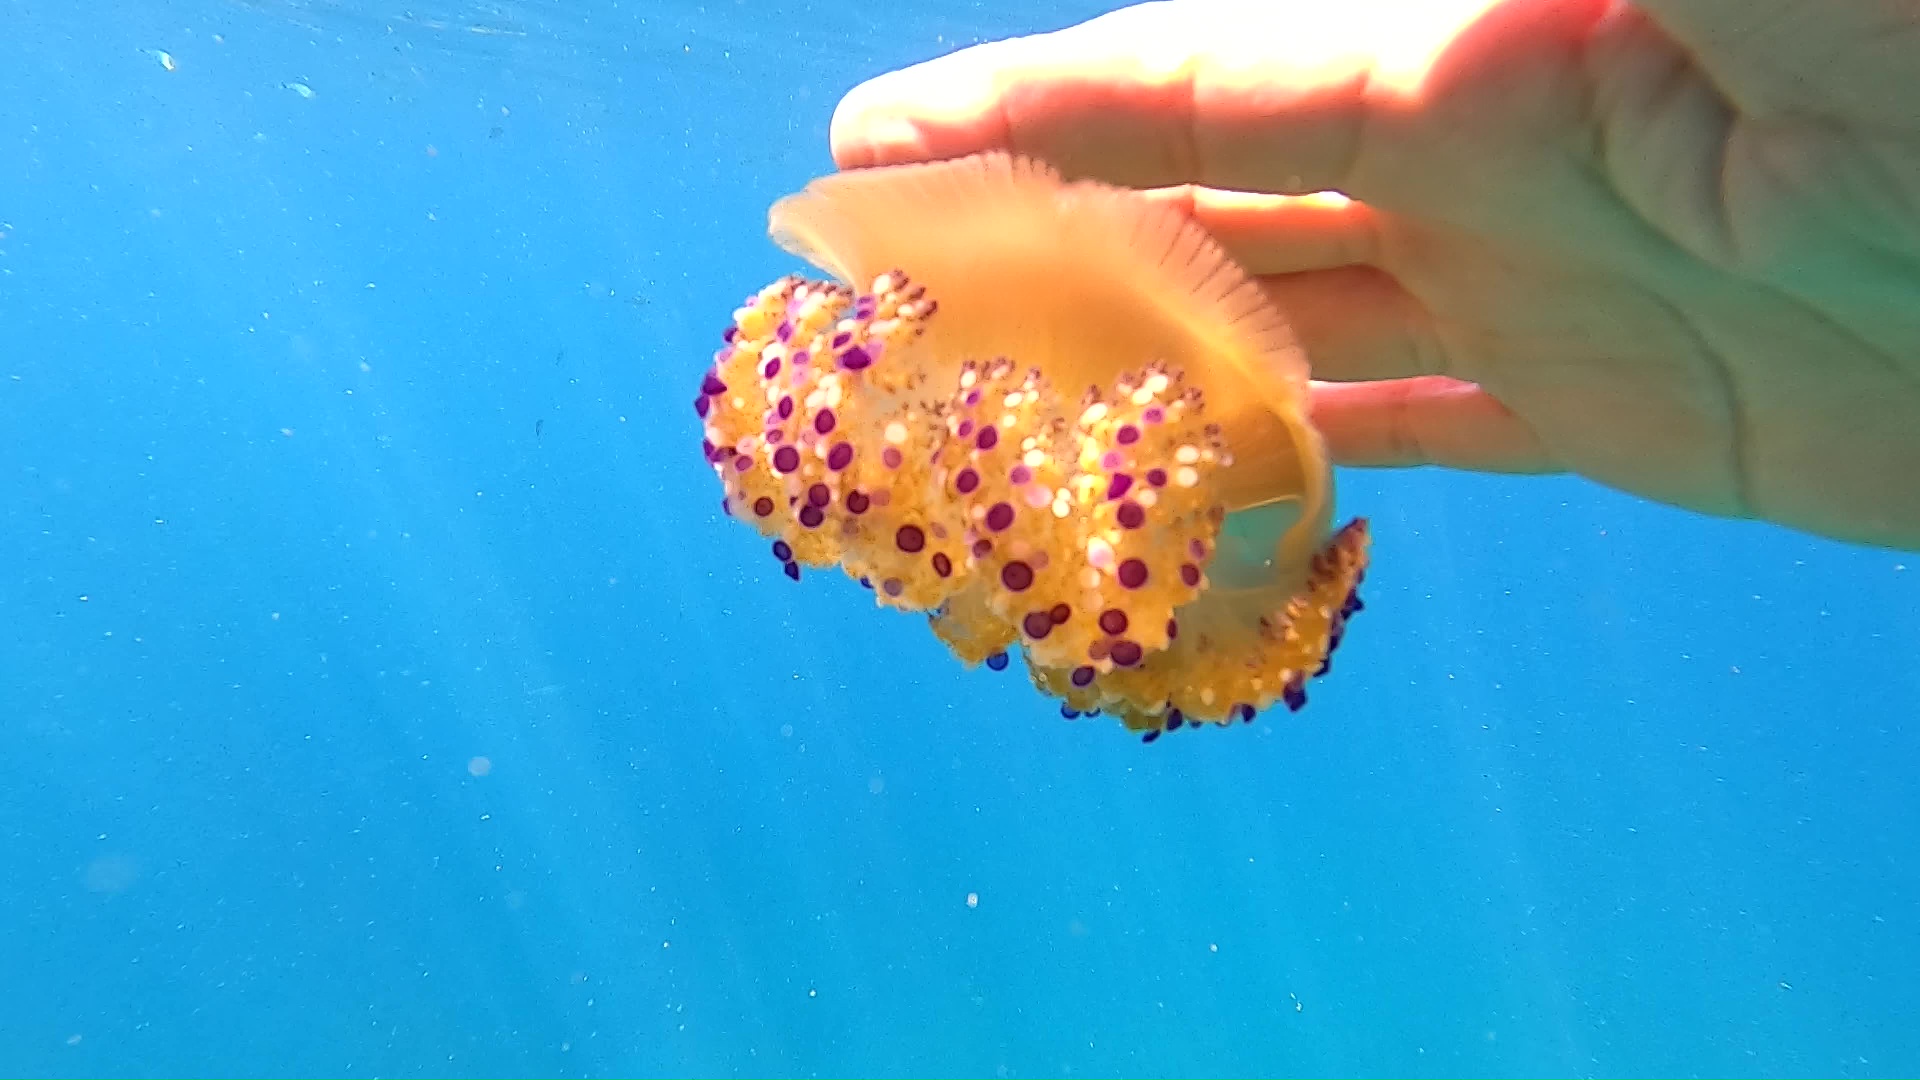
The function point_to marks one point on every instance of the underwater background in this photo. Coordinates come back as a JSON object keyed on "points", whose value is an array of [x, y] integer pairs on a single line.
{"points": [[383, 694]]}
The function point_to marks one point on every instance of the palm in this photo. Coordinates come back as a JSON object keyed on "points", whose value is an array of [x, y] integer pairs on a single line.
{"points": [[1653, 273]]}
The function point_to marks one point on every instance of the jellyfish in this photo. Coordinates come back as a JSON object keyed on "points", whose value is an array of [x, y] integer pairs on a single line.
{"points": [[1057, 419]]}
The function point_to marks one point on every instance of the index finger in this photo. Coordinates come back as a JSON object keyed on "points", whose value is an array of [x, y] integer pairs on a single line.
{"points": [[1264, 97]]}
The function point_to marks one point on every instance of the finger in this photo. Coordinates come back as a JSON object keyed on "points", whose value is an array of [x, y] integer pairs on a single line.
{"points": [[1281, 234], [1269, 97], [1356, 323], [1147, 96], [1432, 420]]}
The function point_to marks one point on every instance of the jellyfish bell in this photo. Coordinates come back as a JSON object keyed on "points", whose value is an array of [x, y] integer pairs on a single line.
{"points": [[1057, 417]]}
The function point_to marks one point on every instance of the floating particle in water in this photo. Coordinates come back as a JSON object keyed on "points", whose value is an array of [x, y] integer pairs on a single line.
{"points": [[479, 766], [973, 899]]}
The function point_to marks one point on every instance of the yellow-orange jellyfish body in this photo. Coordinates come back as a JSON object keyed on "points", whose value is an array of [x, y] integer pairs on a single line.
{"points": [[1055, 416]]}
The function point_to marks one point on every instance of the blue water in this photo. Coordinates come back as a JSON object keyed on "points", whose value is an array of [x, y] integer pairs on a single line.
{"points": [[382, 694]]}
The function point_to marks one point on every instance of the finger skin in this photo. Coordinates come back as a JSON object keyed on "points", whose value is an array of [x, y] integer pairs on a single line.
{"points": [[1431, 420], [1146, 96], [1281, 234], [1280, 96], [1358, 324]]}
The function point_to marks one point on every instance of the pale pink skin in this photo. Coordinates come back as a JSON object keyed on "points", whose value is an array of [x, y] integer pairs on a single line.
{"points": [[1671, 246]]}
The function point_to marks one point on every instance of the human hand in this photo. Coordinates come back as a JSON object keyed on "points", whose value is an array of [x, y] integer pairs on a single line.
{"points": [[1672, 247]]}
